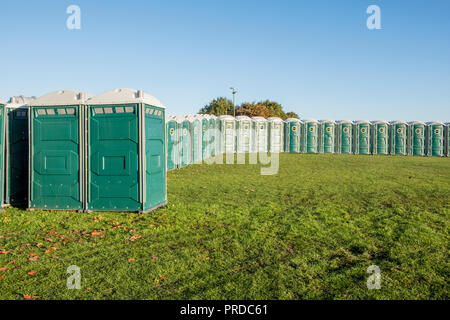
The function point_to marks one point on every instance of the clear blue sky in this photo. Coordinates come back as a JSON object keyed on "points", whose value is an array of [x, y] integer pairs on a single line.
{"points": [[316, 58]]}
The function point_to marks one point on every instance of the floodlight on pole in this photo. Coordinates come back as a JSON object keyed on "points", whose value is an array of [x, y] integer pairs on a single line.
{"points": [[233, 91]]}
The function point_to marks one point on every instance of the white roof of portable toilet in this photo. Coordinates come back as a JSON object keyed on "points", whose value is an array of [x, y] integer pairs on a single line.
{"points": [[242, 118], [258, 118], [380, 121], [226, 117], [398, 122], [292, 120], [125, 96], [274, 119], [435, 122], [327, 121], [344, 121], [417, 122], [19, 101], [2, 102], [447, 123], [62, 98], [362, 121], [310, 120]]}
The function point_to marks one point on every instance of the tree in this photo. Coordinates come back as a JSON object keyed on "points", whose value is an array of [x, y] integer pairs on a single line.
{"points": [[219, 106], [292, 115]]}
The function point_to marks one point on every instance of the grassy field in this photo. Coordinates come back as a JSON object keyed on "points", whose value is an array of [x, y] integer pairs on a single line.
{"points": [[309, 232]]}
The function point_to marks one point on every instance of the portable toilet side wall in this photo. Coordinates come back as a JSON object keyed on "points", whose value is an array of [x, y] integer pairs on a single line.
{"points": [[311, 140], [416, 143], [228, 134], [435, 139], [16, 153], [447, 139], [276, 132], [380, 137], [126, 154], [57, 151], [173, 143], [345, 137], [260, 136], [398, 137], [362, 137], [327, 141], [2, 144], [243, 134], [186, 145], [196, 139], [292, 133]]}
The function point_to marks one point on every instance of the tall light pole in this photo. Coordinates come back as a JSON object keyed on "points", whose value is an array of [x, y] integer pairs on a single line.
{"points": [[233, 91]]}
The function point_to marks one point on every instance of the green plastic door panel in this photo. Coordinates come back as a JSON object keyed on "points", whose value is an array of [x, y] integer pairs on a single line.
{"points": [[113, 158], [229, 143], [294, 137], [382, 138], [447, 138], [400, 139], [436, 140], [262, 137], [244, 137], [172, 145], [205, 139], [364, 139], [55, 168], [328, 138], [212, 137], [311, 137], [17, 156], [196, 142], [186, 144], [155, 172], [418, 140], [346, 138], [2, 141]]}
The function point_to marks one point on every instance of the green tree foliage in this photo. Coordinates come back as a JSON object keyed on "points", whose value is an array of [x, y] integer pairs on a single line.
{"points": [[292, 115], [218, 107]]}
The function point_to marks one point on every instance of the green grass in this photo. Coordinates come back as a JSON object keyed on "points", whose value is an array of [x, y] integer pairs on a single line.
{"points": [[309, 232]]}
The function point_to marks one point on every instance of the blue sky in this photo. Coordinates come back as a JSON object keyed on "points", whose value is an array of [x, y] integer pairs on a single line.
{"points": [[316, 58]]}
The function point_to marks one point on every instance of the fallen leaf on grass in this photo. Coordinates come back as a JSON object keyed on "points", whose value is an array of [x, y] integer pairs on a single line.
{"points": [[48, 251], [131, 260], [35, 258], [32, 254], [12, 261], [29, 297], [39, 244], [96, 233], [32, 273], [153, 257], [49, 239], [3, 268], [134, 238], [4, 252]]}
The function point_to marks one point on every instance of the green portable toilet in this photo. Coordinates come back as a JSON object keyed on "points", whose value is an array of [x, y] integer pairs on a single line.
{"points": [[227, 133], [173, 143], [185, 142], [16, 153], [57, 151], [206, 150], [399, 137], [260, 136], [344, 137], [310, 135], [126, 154], [362, 137], [243, 134], [327, 136], [447, 139], [416, 141], [276, 133], [196, 138], [2, 148], [292, 133], [212, 135], [380, 137], [435, 139]]}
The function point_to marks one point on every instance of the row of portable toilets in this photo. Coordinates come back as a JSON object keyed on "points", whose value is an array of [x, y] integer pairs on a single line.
{"points": [[70, 150], [193, 138]]}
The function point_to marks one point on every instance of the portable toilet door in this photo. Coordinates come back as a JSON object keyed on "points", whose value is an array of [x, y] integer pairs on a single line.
{"points": [[186, 145], [362, 137], [380, 135], [399, 138], [16, 153], [196, 134], [311, 135], [276, 132], [212, 135], [57, 151], [447, 139], [227, 128], [292, 132], [173, 143], [205, 138], [416, 135], [435, 138], [345, 137], [327, 143], [126, 152], [260, 136], [2, 143], [243, 133]]}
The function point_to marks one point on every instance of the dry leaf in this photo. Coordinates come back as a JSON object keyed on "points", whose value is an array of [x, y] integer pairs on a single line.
{"points": [[48, 251], [29, 297], [131, 259], [4, 252], [35, 258], [153, 257], [32, 273], [32, 254], [3, 268], [49, 239], [134, 238], [96, 233], [39, 244]]}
